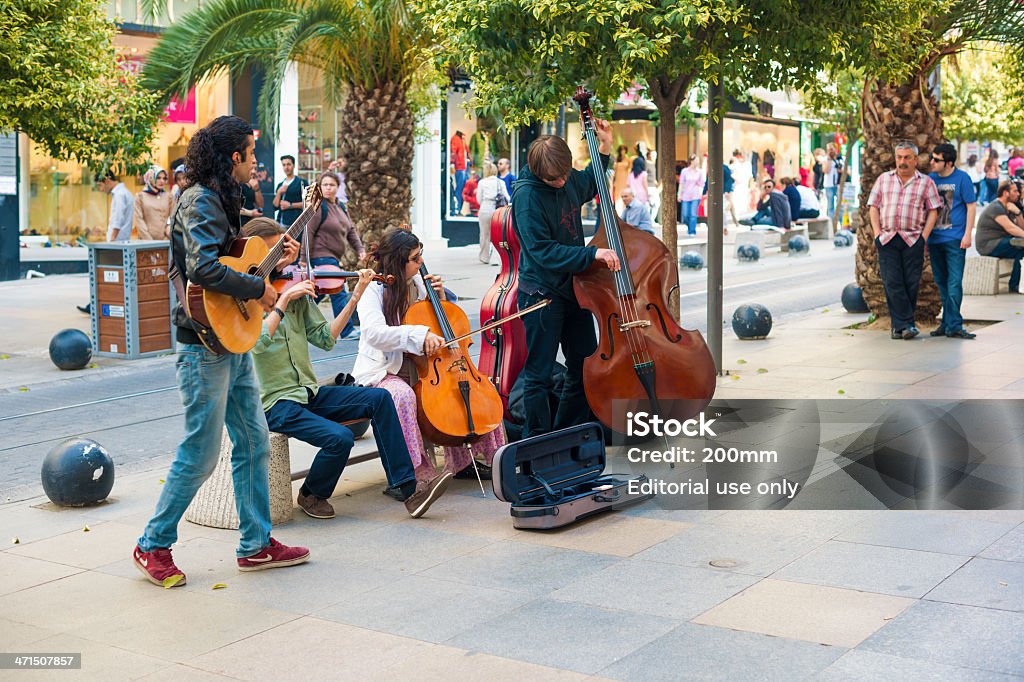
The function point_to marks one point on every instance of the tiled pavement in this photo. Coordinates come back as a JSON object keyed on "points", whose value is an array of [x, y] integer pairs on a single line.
{"points": [[836, 595]]}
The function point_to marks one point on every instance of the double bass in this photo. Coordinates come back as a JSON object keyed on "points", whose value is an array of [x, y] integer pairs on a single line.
{"points": [[503, 352], [644, 360], [455, 403]]}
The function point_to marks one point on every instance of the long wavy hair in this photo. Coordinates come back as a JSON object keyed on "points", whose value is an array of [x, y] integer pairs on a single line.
{"points": [[208, 160], [391, 255]]}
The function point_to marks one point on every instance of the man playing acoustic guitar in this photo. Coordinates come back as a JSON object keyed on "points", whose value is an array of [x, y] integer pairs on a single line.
{"points": [[216, 390]]}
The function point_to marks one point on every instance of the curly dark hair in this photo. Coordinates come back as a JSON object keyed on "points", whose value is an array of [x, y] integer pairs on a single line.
{"points": [[208, 160], [396, 245]]}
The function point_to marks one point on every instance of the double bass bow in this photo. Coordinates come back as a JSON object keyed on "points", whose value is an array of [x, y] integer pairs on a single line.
{"points": [[644, 360]]}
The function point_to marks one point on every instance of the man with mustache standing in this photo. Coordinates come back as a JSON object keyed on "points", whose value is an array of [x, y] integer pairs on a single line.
{"points": [[904, 207]]}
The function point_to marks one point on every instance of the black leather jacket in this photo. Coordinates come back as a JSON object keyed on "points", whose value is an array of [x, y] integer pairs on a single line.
{"points": [[201, 232]]}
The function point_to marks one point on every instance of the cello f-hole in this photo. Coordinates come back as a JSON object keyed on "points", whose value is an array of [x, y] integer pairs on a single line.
{"points": [[664, 327]]}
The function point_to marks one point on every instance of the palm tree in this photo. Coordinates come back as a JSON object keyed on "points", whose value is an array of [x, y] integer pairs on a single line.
{"points": [[370, 51], [910, 111]]}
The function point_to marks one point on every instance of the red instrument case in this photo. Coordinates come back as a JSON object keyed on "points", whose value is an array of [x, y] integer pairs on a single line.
{"points": [[558, 478]]}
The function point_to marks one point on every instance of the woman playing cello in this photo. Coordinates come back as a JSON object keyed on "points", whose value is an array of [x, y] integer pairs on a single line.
{"points": [[384, 343]]}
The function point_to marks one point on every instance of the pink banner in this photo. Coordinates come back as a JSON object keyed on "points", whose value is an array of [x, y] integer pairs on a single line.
{"points": [[181, 112]]}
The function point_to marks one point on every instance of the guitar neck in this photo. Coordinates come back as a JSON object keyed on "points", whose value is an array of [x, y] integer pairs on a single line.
{"points": [[275, 253]]}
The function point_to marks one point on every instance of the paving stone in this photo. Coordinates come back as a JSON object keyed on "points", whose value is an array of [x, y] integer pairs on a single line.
{"points": [[870, 568], [19, 573], [177, 673], [813, 613], [1010, 547], [423, 608], [702, 652], [965, 636], [309, 649], [984, 582], [753, 551], [541, 632], [928, 532], [444, 664], [608, 533], [84, 549], [96, 597], [405, 547], [817, 523], [518, 567], [16, 636], [99, 661], [868, 665], [679, 592]]}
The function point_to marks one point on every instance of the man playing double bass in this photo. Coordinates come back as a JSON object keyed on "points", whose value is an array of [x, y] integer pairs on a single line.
{"points": [[546, 214]]}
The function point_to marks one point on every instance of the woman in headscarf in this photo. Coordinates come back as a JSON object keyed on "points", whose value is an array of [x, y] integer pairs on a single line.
{"points": [[153, 205]]}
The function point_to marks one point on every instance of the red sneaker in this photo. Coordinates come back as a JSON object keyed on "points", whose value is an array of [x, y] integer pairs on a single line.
{"points": [[274, 555], [157, 566]]}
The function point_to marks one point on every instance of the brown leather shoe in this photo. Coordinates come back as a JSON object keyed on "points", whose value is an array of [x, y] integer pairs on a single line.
{"points": [[427, 493], [317, 507]]}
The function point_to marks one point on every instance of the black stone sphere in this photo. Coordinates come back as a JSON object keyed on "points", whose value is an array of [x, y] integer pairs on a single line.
{"points": [[752, 321], [692, 260], [841, 241], [748, 252], [798, 244], [70, 349], [853, 299], [78, 472]]}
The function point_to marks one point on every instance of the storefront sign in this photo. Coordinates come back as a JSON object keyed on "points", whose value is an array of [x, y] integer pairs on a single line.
{"points": [[176, 111], [8, 164]]}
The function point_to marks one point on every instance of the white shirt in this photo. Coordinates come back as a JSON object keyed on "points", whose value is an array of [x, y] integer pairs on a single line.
{"points": [[381, 346], [119, 229], [808, 199], [487, 192]]}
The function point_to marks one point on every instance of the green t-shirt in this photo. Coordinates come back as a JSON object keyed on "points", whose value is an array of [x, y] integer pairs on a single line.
{"points": [[282, 362]]}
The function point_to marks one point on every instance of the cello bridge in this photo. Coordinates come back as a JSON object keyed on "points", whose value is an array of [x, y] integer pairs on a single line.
{"points": [[626, 326]]}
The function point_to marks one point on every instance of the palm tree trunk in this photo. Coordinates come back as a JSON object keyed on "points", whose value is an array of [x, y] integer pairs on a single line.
{"points": [[377, 140], [894, 113]]}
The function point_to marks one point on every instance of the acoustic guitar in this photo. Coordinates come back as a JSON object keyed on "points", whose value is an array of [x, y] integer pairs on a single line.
{"points": [[226, 324]]}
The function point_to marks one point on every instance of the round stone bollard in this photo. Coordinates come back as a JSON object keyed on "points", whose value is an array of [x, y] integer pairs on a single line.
{"points": [[850, 238], [853, 299], [78, 472], [70, 349], [692, 260], [798, 245], [748, 253], [752, 321], [841, 242]]}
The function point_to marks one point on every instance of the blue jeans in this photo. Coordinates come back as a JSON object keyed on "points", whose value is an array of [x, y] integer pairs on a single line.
{"points": [[948, 270], [460, 181], [317, 424], [830, 200], [217, 391], [1006, 250], [338, 300], [690, 215]]}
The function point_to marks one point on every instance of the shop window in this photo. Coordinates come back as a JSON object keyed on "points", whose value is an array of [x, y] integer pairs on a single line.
{"points": [[473, 143]]}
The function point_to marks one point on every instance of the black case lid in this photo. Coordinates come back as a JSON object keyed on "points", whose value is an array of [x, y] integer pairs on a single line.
{"points": [[559, 459]]}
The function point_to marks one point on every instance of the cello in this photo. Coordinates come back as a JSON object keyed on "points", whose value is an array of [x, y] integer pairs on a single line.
{"points": [[503, 352], [455, 404], [644, 360]]}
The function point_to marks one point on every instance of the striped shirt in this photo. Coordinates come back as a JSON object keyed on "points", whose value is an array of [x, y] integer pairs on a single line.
{"points": [[903, 208]]}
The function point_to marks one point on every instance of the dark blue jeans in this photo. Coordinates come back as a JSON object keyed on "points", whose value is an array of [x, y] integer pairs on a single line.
{"points": [[1006, 250], [900, 266], [317, 424], [948, 270], [338, 300], [460, 181], [562, 323]]}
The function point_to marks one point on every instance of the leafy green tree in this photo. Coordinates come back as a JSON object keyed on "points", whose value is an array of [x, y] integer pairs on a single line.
{"points": [[982, 96], [60, 84], [526, 57], [835, 101], [375, 53], [904, 106]]}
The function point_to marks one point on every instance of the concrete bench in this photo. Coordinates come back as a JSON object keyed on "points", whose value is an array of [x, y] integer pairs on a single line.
{"points": [[698, 244], [818, 228], [982, 274]]}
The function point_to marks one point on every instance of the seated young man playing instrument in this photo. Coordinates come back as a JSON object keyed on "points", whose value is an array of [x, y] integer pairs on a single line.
{"points": [[297, 406]]}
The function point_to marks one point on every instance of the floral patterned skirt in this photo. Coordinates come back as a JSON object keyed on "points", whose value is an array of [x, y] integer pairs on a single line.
{"points": [[455, 458]]}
